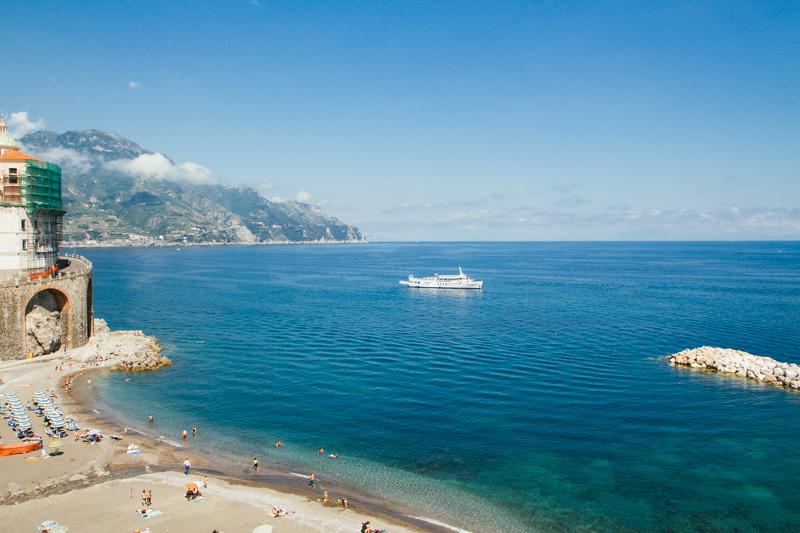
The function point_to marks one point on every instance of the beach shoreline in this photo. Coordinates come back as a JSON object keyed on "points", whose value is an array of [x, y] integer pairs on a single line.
{"points": [[88, 473]]}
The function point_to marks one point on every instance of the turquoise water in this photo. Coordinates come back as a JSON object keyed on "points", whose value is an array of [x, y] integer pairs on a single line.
{"points": [[541, 403]]}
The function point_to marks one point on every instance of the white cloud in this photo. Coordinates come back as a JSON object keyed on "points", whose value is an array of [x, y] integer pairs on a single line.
{"points": [[70, 161], [19, 124], [133, 84], [157, 166], [303, 196]]}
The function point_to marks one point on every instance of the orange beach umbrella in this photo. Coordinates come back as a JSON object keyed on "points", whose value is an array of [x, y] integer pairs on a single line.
{"points": [[191, 485]]}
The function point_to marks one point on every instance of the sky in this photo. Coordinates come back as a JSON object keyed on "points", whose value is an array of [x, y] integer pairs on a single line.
{"points": [[442, 121]]}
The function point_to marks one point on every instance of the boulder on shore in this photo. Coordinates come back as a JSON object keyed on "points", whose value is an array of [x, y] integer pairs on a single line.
{"points": [[726, 360], [120, 350]]}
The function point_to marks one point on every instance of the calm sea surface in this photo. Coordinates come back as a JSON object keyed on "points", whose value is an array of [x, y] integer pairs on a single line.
{"points": [[541, 403]]}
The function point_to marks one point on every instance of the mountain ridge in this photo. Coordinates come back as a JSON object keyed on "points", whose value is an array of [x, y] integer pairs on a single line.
{"points": [[116, 192]]}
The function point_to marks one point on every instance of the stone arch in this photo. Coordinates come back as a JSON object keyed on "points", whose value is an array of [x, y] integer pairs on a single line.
{"points": [[46, 321]]}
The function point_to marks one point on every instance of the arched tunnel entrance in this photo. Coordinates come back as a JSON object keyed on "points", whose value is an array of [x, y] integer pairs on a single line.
{"points": [[46, 322]]}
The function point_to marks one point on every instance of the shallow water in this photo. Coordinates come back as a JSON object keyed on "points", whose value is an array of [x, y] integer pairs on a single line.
{"points": [[540, 403]]}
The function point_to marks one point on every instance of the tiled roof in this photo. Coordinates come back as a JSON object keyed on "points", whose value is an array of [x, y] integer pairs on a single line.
{"points": [[14, 153]]}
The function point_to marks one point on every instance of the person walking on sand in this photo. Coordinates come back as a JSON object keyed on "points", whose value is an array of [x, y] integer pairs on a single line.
{"points": [[311, 481], [205, 482], [187, 465], [255, 464]]}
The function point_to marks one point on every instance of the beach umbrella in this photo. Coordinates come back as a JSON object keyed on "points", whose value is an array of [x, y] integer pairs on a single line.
{"points": [[59, 529], [58, 423], [263, 528], [191, 486], [94, 432], [47, 524], [24, 425]]}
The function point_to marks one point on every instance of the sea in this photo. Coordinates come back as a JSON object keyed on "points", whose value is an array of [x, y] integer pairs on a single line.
{"points": [[543, 402]]}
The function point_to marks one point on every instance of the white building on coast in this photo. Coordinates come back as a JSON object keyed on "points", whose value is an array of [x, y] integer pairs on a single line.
{"points": [[45, 297]]}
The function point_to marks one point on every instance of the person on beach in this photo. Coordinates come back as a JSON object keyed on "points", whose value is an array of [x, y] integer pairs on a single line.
{"points": [[184, 434], [279, 443], [150, 497], [255, 464], [311, 481], [344, 503], [320, 451], [325, 496], [187, 465], [144, 498], [277, 513], [150, 417], [194, 431], [205, 482]]}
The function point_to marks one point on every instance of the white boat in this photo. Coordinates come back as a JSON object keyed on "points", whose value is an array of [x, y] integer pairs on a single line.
{"points": [[441, 281]]}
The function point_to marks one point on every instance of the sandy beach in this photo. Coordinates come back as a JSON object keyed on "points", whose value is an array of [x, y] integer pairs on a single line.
{"points": [[97, 487]]}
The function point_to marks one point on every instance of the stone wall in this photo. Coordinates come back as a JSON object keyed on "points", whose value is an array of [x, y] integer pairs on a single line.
{"points": [[59, 308]]}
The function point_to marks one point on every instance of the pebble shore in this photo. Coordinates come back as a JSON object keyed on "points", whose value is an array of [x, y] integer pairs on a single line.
{"points": [[746, 365]]}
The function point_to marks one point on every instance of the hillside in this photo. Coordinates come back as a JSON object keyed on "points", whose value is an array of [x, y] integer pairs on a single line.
{"points": [[115, 192]]}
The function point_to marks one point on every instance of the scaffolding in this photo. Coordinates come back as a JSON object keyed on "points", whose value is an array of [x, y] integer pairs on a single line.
{"points": [[38, 191]]}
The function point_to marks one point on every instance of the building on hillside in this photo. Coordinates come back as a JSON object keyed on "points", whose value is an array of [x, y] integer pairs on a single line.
{"points": [[45, 296]]}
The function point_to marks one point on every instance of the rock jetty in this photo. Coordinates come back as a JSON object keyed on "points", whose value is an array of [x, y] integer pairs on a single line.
{"points": [[120, 350], [740, 363]]}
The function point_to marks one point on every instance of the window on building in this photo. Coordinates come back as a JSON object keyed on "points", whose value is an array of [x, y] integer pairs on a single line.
{"points": [[12, 175], [24, 244], [23, 224]]}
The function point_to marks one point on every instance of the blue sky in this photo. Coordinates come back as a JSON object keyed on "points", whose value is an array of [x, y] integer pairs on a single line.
{"points": [[443, 120]]}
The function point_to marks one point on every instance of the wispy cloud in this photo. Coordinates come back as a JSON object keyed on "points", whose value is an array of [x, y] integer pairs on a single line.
{"points": [[70, 161], [303, 196], [133, 84], [157, 166], [19, 124]]}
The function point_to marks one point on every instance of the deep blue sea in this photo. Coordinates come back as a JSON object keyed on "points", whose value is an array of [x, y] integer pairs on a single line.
{"points": [[541, 403]]}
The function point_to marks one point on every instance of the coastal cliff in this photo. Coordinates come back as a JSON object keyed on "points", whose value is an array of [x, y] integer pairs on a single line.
{"points": [[740, 363], [120, 350]]}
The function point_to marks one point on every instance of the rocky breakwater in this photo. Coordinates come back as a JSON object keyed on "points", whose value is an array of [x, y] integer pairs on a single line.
{"points": [[120, 350], [740, 363]]}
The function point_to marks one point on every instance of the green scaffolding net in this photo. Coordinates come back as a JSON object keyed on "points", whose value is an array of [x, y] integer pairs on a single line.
{"points": [[41, 187]]}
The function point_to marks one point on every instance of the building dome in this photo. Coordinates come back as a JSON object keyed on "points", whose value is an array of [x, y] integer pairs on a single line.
{"points": [[6, 140]]}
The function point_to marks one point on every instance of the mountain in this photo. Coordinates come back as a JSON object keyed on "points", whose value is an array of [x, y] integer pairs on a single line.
{"points": [[116, 192]]}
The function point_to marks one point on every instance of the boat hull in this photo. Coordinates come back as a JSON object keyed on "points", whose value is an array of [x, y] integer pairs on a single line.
{"points": [[19, 447]]}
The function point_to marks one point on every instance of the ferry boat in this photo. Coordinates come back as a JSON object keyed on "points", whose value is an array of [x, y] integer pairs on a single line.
{"points": [[441, 281]]}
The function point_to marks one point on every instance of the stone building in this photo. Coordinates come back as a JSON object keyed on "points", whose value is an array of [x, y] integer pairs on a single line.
{"points": [[45, 296]]}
